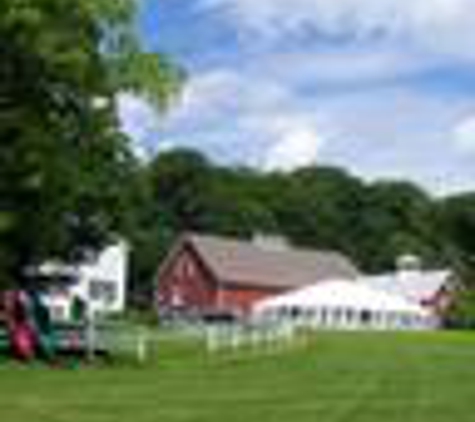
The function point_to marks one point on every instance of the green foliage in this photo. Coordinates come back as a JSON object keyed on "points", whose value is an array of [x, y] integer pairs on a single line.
{"points": [[459, 221], [318, 206], [63, 162], [462, 312], [399, 218]]}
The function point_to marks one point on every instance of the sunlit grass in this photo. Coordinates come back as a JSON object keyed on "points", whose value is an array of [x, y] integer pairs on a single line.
{"points": [[333, 377]]}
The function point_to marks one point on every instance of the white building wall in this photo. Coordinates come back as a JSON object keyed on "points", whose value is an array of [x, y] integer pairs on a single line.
{"points": [[102, 284], [110, 269]]}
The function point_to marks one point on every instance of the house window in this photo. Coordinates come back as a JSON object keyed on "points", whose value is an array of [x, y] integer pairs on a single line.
{"points": [[102, 290]]}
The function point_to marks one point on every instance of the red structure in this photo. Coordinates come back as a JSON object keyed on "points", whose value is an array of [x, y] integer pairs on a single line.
{"points": [[206, 275]]}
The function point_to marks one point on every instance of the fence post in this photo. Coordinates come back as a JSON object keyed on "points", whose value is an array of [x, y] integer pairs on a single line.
{"points": [[90, 335], [141, 345]]}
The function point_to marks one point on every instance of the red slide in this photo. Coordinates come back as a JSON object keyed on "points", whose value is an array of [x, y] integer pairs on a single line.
{"points": [[23, 342], [21, 334]]}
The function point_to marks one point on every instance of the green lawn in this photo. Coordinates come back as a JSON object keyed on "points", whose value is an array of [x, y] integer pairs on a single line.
{"points": [[338, 377]]}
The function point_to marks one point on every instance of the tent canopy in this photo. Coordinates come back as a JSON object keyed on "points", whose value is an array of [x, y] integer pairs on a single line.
{"points": [[342, 294]]}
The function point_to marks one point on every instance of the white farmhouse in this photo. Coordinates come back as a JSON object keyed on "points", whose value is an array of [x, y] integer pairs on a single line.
{"points": [[100, 283]]}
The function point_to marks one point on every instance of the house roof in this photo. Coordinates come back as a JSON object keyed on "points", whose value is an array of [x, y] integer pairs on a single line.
{"points": [[418, 286], [236, 262]]}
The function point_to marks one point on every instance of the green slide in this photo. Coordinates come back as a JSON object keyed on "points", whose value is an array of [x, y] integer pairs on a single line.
{"points": [[43, 327]]}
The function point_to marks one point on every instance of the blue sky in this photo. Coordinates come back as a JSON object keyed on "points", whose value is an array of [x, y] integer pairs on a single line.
{"points": [[384, 88]]}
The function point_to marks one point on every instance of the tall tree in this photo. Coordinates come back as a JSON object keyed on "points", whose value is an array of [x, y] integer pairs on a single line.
{"points": [[62, 158]]}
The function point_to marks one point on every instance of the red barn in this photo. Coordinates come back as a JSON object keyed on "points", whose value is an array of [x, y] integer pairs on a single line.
{"points": [[208, 275]]}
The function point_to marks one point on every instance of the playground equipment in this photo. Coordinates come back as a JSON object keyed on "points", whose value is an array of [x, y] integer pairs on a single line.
{"points": [[27, 332], [30, 334]]}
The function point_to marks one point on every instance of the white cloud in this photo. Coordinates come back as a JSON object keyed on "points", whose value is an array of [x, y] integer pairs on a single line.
{"points": [[464, 136], [345, 67], [208, 92], [131, 111], [444, 26], [264, 112], [217, 103], [289, 140], [139, 120], [257, 117], [297, 147], [211, 95], [293, 101]]}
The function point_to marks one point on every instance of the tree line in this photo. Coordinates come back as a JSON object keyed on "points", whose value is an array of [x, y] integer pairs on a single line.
{"points": [[318, 207]]}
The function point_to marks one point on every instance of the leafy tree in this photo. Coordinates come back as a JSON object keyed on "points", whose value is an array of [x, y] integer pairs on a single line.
{"points": [[232, 205], [459, 216], [180, 182], [318, 207], [462, 312], [398, 218], [62, 158], [457, 222]]}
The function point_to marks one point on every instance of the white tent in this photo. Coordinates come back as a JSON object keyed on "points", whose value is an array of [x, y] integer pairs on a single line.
{"points": [[341, 304]]}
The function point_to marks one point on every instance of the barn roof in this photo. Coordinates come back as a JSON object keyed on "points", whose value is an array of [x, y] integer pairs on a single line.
{"points": [[237, 262], [418, 286]]}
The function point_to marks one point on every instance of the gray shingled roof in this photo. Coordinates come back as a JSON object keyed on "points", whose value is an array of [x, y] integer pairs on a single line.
{"points": [[246, 263]]}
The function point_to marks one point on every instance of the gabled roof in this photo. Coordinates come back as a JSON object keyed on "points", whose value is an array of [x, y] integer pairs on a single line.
{"points": [[235, 262], [419, 286]]}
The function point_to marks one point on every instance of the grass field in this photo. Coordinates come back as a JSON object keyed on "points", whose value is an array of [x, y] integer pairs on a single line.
{"points": [[336, 378]]}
